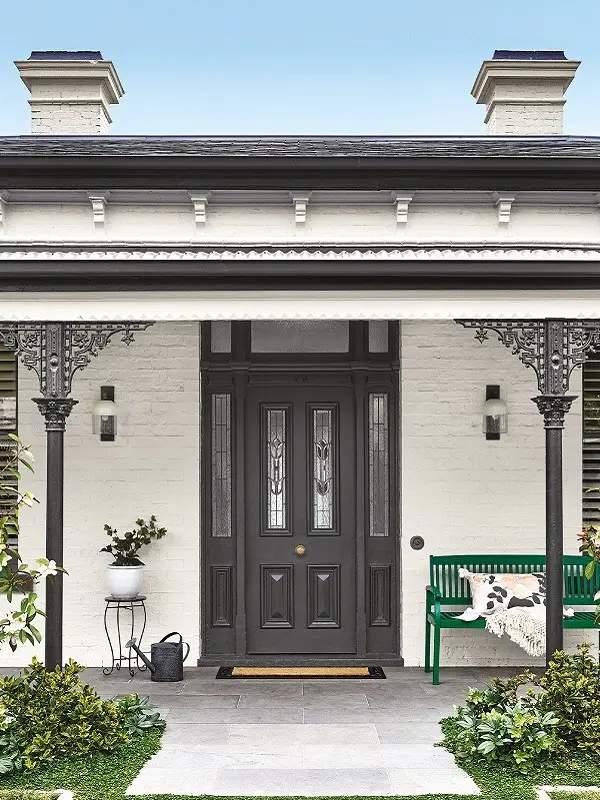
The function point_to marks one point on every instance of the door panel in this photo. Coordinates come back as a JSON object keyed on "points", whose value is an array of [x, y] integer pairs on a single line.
{"points": [[300, 520]]}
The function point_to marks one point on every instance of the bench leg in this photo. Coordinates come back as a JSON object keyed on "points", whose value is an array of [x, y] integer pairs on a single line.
{"points": [[427, 644], [436, 655]]}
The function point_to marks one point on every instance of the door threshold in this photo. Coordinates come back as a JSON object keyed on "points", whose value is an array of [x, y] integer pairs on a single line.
{"points": [[229, 660]]}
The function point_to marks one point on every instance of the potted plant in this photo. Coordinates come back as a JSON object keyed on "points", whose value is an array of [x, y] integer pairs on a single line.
{"points": [[124, 575]]}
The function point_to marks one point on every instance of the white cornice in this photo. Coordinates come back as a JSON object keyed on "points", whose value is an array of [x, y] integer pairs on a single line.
{"points": [[50, 252]]}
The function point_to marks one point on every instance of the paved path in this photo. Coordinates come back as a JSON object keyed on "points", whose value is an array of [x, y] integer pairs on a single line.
{"points": [[301, 737]]}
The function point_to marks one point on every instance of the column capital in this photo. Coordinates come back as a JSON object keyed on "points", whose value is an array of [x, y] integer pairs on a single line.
{"points": [[55, 410], [554, 408]]}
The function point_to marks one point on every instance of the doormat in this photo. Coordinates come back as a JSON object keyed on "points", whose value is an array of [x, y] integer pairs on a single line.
{"points": [[300, 672]]}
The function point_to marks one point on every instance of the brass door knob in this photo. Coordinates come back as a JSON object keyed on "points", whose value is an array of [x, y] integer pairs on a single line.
{"points": [[300, 550]]}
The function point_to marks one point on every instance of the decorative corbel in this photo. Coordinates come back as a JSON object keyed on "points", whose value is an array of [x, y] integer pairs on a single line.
{"points": [[402, 200], [199, 201], [300, 202], [503, 203], [3, 205], [98, 201]]}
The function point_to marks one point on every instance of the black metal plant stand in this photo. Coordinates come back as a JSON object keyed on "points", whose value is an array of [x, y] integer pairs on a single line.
{"points": [[130, 605]]}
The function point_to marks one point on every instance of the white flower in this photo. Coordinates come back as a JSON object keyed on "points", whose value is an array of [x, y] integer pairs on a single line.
{"points": [[46, 567]]}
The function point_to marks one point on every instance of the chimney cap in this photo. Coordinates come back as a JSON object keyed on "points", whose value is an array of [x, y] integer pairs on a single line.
{"points": [[529, 55], [65, 55]]}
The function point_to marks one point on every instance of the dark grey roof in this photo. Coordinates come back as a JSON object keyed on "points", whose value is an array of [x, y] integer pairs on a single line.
{"points": [[303, 146], [529, 55], [65, 55]]}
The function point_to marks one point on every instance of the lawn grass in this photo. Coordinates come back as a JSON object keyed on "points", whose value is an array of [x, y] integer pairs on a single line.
{"points": [[574, 795], [26, 794]]}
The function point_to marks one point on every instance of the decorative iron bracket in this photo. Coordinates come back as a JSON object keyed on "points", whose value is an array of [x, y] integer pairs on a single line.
{"points": [[56, 350], [553, 348]]}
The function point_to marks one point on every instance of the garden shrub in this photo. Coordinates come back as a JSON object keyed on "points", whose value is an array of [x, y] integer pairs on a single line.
{"points": [[497, 725], [139, 715], [570, 688], [49, 715], [558, 713]]}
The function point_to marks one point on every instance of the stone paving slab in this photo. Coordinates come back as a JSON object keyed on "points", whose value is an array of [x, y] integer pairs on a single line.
{"points": [[300, 737]]}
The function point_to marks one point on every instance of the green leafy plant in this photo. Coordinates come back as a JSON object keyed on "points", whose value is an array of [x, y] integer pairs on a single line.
{"points": [[53, 714], [557, 715], [498, 725], [570, 688], [139, 715], [17, 624], [124, 549]]}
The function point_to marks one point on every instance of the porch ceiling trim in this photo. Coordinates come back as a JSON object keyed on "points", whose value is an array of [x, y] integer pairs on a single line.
{"points": [[131, 251], [244, 305]]}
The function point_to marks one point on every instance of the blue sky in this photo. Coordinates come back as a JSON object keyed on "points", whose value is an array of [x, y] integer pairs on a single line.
{"points": [[300, 66]]}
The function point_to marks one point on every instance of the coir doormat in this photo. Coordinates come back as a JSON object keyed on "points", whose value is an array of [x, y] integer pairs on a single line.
{"points": [[300, 672]]}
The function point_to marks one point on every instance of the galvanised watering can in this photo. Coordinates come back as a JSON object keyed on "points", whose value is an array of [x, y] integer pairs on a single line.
{"points": [[166, 658]]}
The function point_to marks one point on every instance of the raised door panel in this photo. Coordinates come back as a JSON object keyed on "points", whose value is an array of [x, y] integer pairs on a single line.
{"points": [[324, 596], [277, 596]]}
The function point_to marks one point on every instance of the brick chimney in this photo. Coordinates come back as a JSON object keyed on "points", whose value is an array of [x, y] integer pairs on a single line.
{"points": [[523, 91], [70, 91]]}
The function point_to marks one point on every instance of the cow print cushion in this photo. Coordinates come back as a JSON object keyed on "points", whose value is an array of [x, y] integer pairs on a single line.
{"points": [[491, 591]]}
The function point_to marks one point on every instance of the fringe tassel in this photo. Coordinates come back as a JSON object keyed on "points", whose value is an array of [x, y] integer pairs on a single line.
{"points": [[524, 630]]}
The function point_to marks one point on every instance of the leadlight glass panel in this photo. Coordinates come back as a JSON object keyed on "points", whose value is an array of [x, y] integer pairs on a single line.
{"points": [[220, 336], [277, 490], [300, 336], [221, 483], [323, 469], [379, 464], [378, 336]]}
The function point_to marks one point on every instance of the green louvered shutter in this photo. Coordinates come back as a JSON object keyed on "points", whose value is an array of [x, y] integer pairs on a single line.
{"points": [[591, 439]]}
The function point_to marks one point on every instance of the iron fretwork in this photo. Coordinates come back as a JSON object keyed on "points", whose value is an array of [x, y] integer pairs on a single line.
{"points": [[55, 351], [553, 348]]}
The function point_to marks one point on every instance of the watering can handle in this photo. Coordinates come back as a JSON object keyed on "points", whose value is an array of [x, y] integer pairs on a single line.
{"points": [[188, 650], [173, 633]]}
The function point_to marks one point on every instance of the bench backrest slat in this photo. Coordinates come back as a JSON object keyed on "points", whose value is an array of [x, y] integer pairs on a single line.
{"points": [[443, 573]]}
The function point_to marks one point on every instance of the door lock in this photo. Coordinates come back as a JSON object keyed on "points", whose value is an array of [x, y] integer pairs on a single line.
{"points": [[300, 550]]}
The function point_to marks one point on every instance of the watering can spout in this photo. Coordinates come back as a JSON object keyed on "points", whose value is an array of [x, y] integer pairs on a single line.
{"points": [[131, 643]]}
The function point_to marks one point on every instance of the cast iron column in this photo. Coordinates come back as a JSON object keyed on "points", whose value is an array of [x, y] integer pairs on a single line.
{"points": [[554, 409], [55, 351], [55, 412]]}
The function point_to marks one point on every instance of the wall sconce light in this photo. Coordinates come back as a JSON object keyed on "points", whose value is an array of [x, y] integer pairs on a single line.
{"points": [[104, 420], [495, 413]]}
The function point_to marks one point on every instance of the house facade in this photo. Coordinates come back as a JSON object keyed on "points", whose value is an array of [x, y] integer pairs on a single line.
{"points": [[299, 408]]}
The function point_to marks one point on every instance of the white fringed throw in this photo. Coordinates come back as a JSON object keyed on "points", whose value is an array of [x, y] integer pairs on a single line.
{"points": [[524, 626]]}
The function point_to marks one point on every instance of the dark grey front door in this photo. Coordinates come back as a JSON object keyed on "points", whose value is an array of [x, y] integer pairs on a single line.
{"points": [[300, 520]]}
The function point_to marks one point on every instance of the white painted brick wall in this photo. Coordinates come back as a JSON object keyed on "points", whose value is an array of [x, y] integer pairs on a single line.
{"points": [[462, 493], [152, 467], [459, 491]]}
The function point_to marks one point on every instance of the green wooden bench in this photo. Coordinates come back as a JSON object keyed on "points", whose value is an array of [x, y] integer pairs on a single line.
{"points": [[447, 589]]}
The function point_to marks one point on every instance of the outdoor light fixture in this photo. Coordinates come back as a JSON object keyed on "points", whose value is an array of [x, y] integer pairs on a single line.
{"points": [[105, 415], [495, 413]]}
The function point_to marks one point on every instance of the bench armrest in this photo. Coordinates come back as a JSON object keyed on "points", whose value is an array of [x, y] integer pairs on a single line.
{"points": [[434, 592]]}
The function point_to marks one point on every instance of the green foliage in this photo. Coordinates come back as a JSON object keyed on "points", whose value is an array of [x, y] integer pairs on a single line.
{"points": [[516, 731], [571, 689], [54, 715], [124, 549], [139, 715], [16, 577], [557, 716]]}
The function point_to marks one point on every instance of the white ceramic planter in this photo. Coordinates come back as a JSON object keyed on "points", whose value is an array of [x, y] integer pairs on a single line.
{"points": [[124, 583]]}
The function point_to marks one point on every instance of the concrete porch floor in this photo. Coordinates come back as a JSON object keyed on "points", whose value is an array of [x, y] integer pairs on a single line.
{"points": [[301, 737]]}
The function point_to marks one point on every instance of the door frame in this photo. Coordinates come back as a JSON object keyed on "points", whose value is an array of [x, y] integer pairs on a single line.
{"points": [[223, 559]]}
